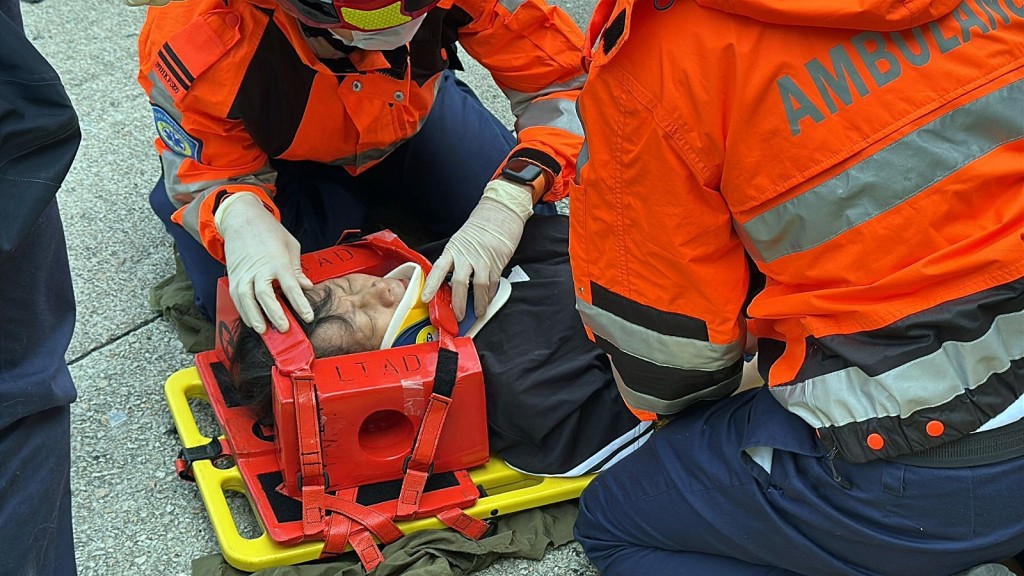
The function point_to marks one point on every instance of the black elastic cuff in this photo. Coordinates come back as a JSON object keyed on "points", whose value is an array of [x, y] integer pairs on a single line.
{"points": [[540, 158], [219, 196]]}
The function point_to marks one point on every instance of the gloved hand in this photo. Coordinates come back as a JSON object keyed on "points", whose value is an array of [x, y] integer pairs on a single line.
{"points": [[482, 247], [257, 251], [149, 2]]}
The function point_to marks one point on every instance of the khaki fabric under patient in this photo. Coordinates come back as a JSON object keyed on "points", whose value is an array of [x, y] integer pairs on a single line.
{"points": [[174, 298], [526, 534]]}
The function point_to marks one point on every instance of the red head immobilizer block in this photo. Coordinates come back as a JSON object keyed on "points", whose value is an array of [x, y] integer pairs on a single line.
{"points": [[366, 408]]}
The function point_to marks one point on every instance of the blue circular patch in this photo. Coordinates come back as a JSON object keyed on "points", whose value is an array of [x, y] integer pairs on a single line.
{"points": [[174, 136]]}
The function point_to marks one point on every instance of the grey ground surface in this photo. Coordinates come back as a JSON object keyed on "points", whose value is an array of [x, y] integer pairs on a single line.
{"points": [[132, 514]]}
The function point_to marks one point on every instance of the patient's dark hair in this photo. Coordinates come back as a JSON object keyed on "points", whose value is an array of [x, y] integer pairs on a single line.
{"points": [[251, 362]]}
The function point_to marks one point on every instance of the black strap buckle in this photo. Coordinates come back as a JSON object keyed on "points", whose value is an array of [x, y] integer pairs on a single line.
{"points": [[408, 460], [212, 451]]}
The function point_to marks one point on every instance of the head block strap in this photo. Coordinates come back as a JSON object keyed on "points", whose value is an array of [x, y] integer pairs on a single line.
{"points": [[377, 253]]}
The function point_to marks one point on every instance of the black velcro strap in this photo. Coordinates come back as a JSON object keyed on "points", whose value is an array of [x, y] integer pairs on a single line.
{"points": [[540, 158], [370, 494], [977, 449], [286, 508], [446, 371]]}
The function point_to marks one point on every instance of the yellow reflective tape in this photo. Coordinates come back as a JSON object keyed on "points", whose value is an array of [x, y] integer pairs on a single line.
{"points": [[379, 19]]}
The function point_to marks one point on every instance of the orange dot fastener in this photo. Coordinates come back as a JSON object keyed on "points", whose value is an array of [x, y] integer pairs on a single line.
{"points": [[875, 441], [935, 428]]}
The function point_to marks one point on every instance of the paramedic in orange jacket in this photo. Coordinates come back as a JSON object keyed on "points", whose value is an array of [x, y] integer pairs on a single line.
{"points": [[857, 167], [282, 122]]}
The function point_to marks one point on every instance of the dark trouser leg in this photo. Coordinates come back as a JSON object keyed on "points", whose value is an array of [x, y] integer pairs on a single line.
{"points": [[691, 501], [202, 269], [35, 509], [12, 10], [37, 317]]}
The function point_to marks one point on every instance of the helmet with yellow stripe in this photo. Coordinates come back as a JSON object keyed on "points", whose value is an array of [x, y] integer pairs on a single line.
{"points": [[362, 15]]}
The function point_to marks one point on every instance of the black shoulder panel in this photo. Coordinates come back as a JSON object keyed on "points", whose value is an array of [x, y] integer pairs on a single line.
{"points": [[439, 32], [272, 98]]}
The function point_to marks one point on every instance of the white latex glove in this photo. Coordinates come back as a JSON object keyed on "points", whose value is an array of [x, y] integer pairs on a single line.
{"points": [[149, 2], [482, 247], [257, 251]]}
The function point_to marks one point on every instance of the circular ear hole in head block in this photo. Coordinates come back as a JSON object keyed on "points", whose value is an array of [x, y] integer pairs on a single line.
{"points": [[386, 434]]}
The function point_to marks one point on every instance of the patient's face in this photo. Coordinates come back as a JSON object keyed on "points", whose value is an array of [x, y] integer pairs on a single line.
{"points": [[367, 302]]}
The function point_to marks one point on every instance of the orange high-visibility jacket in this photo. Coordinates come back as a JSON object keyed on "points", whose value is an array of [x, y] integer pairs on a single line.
{"points": [[236, 83], [867, 157]]}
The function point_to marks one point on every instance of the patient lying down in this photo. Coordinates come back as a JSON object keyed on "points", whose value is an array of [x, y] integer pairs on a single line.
{"points": [[552, 405]]}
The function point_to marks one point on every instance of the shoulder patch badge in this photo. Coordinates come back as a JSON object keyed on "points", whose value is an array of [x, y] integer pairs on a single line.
{"points": [[175, 137]]}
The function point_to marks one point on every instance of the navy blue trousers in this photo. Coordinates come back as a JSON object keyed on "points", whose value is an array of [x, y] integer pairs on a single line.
{"points": [[37, 317], [437, 176], [691, 501]]}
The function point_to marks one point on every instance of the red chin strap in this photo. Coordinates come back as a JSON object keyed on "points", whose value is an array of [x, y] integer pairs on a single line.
{"points": [[375, 254]]}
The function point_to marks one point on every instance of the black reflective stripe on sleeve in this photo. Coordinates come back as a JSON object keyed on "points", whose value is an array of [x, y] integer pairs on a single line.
{"points": [[540, 158], [666, 382], [438, 33], [667, 323], [164, 57], [178, 63], [274, 93]]}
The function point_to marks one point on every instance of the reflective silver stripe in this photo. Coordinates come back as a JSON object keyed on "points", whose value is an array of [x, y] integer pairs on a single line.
{"points": [[162, 98], [890, 176], [172, 161], [672, 351], [364, 157], [582, 159], [554, 112], [520, 100], [190, 217], [641, 401], [511, 5], [265, 178], [850, 395]]}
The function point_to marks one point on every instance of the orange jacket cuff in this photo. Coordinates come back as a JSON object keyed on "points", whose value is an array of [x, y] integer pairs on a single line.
{"points": [[208, 234]]}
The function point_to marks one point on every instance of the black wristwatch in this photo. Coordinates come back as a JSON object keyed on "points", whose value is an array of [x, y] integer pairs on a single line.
{"points": [[522, 172]]}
